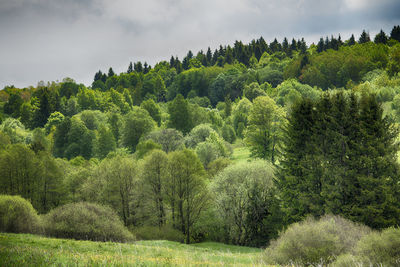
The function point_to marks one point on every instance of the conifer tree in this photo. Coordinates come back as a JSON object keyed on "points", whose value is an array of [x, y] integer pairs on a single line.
{"points": [[130, 68], [364, 38], [395, 33], [381, 38], [110, 72], [352, 40]]}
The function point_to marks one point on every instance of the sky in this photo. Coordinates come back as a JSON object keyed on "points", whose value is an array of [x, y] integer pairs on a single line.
{"points": [[48, 40]]}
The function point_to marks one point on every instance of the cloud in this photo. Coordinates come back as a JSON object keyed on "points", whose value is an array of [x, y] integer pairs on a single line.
{"points": [[52, 39]]}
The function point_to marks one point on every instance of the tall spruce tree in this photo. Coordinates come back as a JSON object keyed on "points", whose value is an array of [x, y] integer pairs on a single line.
{"points": [[340, 157]]}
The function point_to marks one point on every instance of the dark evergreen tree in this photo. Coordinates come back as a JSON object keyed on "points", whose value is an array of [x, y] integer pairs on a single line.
{"points": [[146, 68], [285, 45], [209, 56], [381, 38], [340, 158], [320, 45], [98, 76], [110, 72], [130, 68], [43, 112], [214, 57], [292, 176], [172, 62], [340, 42], [229, 55], [293, 45], [395, 33], [352, 40], [138, 67], [364, 38], [327, 44], [275, 46], [303, 46], [13, 104]]}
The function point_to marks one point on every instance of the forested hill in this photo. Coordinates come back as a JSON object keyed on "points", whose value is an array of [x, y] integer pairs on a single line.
{"points": [[319, 123]]}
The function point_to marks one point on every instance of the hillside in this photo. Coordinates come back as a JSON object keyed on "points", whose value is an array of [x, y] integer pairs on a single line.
{"points": [[19, 250]]}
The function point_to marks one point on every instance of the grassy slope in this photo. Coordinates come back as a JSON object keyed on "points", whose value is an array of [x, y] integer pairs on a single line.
{"points": [[240, 152], [31, 250]]}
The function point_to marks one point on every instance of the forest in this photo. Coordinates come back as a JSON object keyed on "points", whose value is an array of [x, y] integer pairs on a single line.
{"points": [[157, 148]]}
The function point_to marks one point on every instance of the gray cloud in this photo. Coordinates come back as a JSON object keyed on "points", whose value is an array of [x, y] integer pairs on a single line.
{"points": [[49, 40]]}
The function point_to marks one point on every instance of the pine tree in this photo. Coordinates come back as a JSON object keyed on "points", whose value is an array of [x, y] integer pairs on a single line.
{"points": [[340, 157], [209, 56], [320, 45], [146, 68], [292, 175], [364, 38], [98, 76], [285, 45], [130, 68], [110, 72], [395, 33], [172, 62], [381, 38], [352, 40], [138, 67], [293, 45]]}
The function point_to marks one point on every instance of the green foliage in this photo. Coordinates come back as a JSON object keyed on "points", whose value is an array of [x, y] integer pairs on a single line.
{"points": [[198, 134], [114, 182], [246, 202], [313, 242], [186, 190], [14, 129], [86, 221], [137, 123], [180, 116], [228, 133], [154, 176], [17, 250], [156, 233], [105, 142], [33, 176], [153, 109], [145, 147], [253, 91], [240, 114], [335, 68], [380, 248], [18, 216], [169, 139], [54, 120], [340, 157], [264, 132]]}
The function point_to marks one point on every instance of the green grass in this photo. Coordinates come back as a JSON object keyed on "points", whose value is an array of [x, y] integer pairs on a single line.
{"points": [[32, 250], [240, 152]]}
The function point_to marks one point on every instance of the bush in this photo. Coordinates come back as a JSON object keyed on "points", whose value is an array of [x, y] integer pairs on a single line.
{"points": [[86, 221], [156, 233], [312, 242], [380, 248], [346, 260], [18, 216]]}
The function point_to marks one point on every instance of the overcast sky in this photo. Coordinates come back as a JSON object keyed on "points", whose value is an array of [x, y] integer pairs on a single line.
{"points": [[52, 39]]}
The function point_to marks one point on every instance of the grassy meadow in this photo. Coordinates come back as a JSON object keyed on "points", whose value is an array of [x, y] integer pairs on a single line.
{"points": [[32, 250]]}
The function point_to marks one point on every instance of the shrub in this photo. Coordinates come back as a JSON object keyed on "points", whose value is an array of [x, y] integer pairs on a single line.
{"points": [[346, 260], [312, 242], [86, 221], [380, 248], [18, 216], [155, 233]]}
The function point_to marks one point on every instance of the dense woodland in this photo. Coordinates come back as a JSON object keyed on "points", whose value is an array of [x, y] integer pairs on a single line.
{"points": [[155, 143]]}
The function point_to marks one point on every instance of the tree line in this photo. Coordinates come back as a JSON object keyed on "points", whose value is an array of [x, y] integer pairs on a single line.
{"points": [[156, 143]]}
